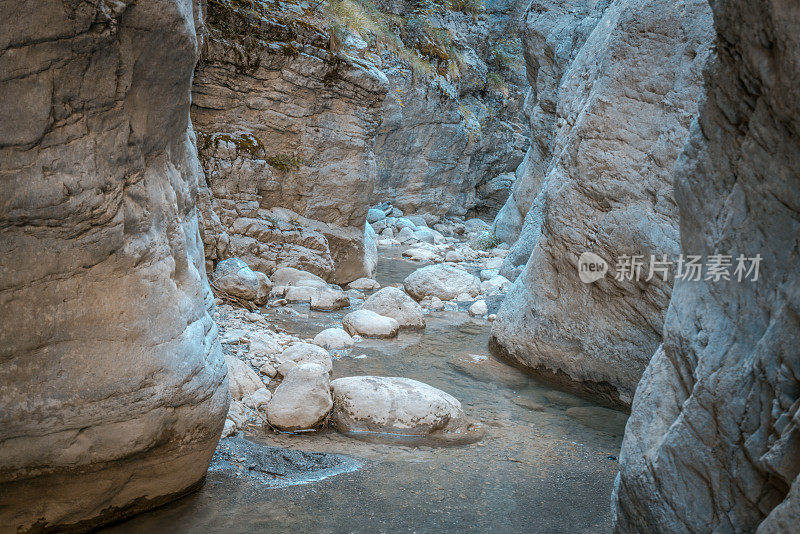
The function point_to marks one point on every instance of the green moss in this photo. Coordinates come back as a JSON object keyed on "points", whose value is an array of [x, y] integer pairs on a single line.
{"points": [[285, 162], [244, 142]]}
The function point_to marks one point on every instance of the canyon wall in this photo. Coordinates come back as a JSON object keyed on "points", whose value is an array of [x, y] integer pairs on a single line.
{"points": [[614, 87], [286, 129], [113, 386], [445, 139], [713, 442]]}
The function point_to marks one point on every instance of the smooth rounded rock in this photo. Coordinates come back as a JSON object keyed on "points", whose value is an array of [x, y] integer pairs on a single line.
{"points": [[307, 352], [367, 323], [396, 405], [443, 281], [364, 284], [375, 215], [395, 303], [478, 308], [329, 299], [333, 339], [303, 399], [236, 278]]}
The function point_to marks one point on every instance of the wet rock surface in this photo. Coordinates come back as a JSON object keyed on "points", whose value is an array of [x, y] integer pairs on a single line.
{"points": [[561, 477]]}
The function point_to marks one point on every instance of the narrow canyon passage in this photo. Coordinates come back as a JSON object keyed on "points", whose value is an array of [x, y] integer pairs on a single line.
{"points": [[537, 469], [455, 266]]}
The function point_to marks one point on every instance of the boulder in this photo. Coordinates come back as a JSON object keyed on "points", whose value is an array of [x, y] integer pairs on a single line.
{"points": [[478, 308], [417, 220], [297, 294], [375, 215], [421, 254], [364, 284], [333, 339], [289, 276], [367, 323], [406, 235], [235, 278], [442, 281], [495, 284], [328, 299], [395, 405], [393, 302], [307, 352], [242, 380], [403, 222], [302, 400], [257, 400]]}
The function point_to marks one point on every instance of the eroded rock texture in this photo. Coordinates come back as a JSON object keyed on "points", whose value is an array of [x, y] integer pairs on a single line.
{"points": [[444, 138], [713, 442], [615, 87], [285, 134], [113, 386]]}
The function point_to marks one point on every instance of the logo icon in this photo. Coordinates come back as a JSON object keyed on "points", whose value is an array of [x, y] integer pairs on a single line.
{"points": [[591, 267]]}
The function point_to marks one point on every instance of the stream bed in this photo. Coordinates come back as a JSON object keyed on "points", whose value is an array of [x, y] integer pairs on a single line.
{"points": [[547, 461]]}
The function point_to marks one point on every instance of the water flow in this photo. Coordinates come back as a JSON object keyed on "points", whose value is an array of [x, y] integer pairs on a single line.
{"points": [[546, 464]]}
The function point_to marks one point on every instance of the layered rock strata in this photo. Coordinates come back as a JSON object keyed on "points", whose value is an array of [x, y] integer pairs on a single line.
{"points": [[113, 385], [286, 129], [445, 137]]}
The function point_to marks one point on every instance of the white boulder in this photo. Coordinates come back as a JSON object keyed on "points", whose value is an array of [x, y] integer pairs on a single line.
{"points": [[242, 380], [393, 302], [234, 277], [333, 339], [303, 399], [364, 284], [443, 281], [329, 299], [396, 405], [367, 323], [307, 352]]}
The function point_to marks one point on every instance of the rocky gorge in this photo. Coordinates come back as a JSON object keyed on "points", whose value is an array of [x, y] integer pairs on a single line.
{"points": [[287, 256]]}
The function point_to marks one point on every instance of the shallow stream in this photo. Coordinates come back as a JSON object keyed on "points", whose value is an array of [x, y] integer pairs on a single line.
{"points": [[538, 468]]}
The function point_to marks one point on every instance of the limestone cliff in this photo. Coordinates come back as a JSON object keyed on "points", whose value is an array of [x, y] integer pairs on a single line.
{"points": [[113, 386], [713, 442], [286, 122], [447, 134], [615, 86]]}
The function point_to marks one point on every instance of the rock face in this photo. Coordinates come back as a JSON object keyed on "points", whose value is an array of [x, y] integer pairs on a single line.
{"points": [[445, 135], [285, 134], [713, 442], [395, 405], [616, 86], [113, 384]]}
